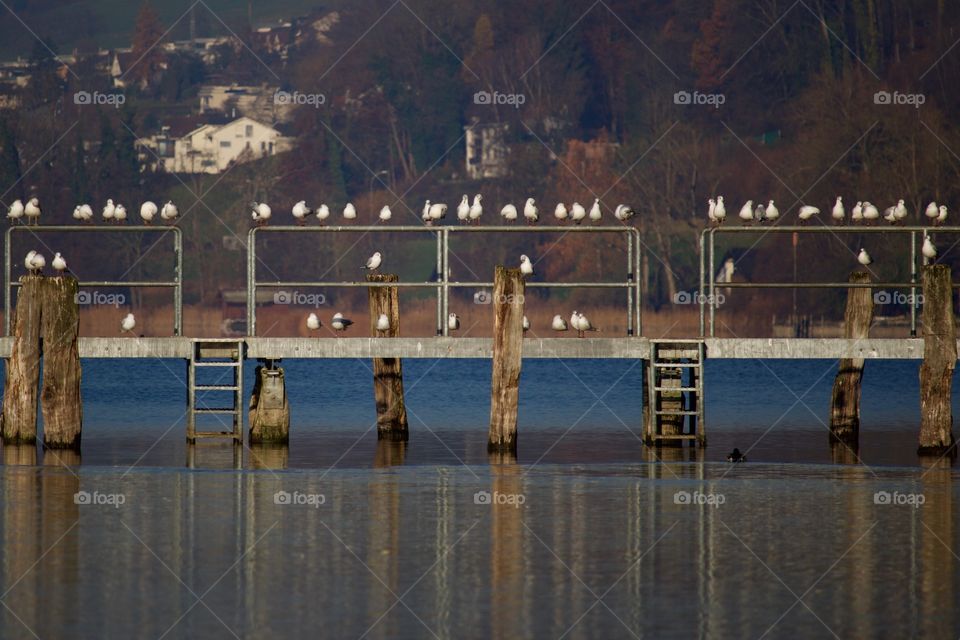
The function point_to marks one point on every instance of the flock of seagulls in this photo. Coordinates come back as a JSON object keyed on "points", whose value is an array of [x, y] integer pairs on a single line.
{"points": [[579, 322], [112, 212], [862, 212]]}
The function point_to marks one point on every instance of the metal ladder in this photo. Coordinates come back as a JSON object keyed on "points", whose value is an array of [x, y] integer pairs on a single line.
{"points": [[225, 355], [674, 388]]}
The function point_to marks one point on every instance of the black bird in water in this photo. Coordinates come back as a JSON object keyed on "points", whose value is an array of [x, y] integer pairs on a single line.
{"points": [[736, 456]]}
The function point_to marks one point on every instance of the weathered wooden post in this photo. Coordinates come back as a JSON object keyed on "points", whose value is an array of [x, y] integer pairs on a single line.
{"points": [[939, 359], [60, 395], [845, 403], [23, 367], [508, 291], [387, 372], [269, 413]]}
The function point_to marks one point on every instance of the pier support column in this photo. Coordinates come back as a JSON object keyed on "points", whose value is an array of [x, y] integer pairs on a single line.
{"points": [[939, 360], [60, 395], [508, 291], [269, 408], [387, 372], [23, 367], [845, 403]]}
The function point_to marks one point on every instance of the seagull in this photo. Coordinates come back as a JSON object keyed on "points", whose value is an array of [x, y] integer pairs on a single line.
{"points": [[16, 211], [34, 262], [870, 212], [339, 323], [323, 212], [720, 213], [425, 214], [526, 267], [147, 212], [32, 210], [558, 324], [463, 209], [736, 456], [624, 213], [313, 322], [453, 322], [509, 212], [83, 213], [746, 212], [169, 212], [932, 210], [383, 322], [385, 214], [890, 215], [806, 212], [577, 212], [476, 209], [526, 324], [349, 212], [580, 322], [595, 213], [771, 212], [77, 214], [856, 215], [261, 213], [838, 213], [438, 211], [60, 265], [560, 212], [373, 262], [929, 251], [864, 258], [760, 213], [128, 323], [530, 211], [300, 211], [901, 211], [120, 213], [943, 214], [109, 210]]}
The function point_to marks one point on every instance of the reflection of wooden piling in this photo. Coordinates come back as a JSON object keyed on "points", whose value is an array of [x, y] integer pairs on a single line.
{"points": [[60, 397], [508, 290], [269, 456], [939, 359], [269, 407], [23, 367], [387, 372], [845, 403]]}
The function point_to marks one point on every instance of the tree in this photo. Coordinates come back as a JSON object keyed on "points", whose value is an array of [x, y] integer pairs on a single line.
{"points": [[147, 54]]}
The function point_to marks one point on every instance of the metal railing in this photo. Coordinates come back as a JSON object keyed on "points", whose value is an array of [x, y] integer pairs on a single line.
{"points": [[176, 284], [443, 284], [708, 266]]}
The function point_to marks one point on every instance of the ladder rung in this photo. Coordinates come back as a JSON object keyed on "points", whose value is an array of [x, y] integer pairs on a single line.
{"points": [[677, 436], [212, 410], [215, 387], [216, 364], [671, 365], [676, 413], [215, 434], [677, 389]]}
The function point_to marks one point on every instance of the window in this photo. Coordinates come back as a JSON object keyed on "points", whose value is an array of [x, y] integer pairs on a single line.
{"points": [[224, 143], [249, 130]]}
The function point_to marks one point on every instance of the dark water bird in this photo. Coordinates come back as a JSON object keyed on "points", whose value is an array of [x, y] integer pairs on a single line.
{"points": [[736, 456]]}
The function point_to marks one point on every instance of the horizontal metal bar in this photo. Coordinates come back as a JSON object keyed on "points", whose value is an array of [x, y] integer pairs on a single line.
{"points": [[274, 285], [817, 285], [360, 228], [831, 229], [96, 228], [434, 229], [553, 285], [549, 228], [93, 283]]}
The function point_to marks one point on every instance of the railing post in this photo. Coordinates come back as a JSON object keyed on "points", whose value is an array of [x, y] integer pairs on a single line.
{"points": [[630, 277], [252, 282], [702, 280], [7, 287], [178, 278], [913, 280], [712, 275], [637, 282], [446, 279], [441, 330]]}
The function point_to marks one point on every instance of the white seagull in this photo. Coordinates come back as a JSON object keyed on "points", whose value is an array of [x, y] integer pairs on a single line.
{"points": [[59, 264], [300, 211], [929, 251], [526, 324], [128, 323], [838, 213], [32, 210], [16, 211], [942, 215], [120, 213], [463, 209], [169, 212], [932, 211], [476, 209], [577, 212], [746, 212], [901, 211], [720, 213], [581, 323], [806, 212], [760, 213], [313, 322], [453, 322], [558, 324], [624, 213], [109, 210], [438, 211], [148, 210], [385, 214], [864, 258], [560, 212], [890, 215], [383, 322], [771, 212], [856, 214], [373, 262], [530, 211], [261, 213], [425, 214], [339, 323], [509, 212], [34, 262], [595, 213], [526, 267], [349, 212], [870, 212], [323, 212]]}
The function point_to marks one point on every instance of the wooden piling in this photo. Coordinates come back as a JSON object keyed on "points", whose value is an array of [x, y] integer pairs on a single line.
{"points": [[845, 402], [23, 367], [939, 359], [387, 372], [60, 394], [269, 413], [508, 292]]}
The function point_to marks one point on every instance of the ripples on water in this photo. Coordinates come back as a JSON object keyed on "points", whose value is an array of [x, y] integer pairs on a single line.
{"points": [[601, 518]]}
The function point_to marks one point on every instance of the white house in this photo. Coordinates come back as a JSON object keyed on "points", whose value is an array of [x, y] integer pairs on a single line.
{"points": [[487, 150]]}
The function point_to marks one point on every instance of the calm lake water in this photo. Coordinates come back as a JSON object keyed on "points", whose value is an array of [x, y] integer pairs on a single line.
{"points": [[591, 535]]}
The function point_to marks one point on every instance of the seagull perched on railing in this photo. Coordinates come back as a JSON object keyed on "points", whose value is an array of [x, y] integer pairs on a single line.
{"points": [[339, 323], [120, 214], [577, 212], [147, 212], [580, 322], [932, 211], [525, 324], [526, 267], [838, 213], [385, 214], [59, 264], [349, 212], [313, 322], [806, 212], [720, 212], [437, 211], [929, 250], [476, 209], [624, 213], [463, 209], [128, 323], [942, 215], [509, 212], [856, 214], [109, 210], [16, 211], [558, 324], [34, 262], [31, 210], [864, 258], [323, 212], [373, 262], [425, 214], [746, 212], [870, 212], [595, 213], [300, 211], [453, 322], [261, 213], [771, 212], [169, 212], [383, 322], [560, 212], [530, 211], [900, 211]]}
